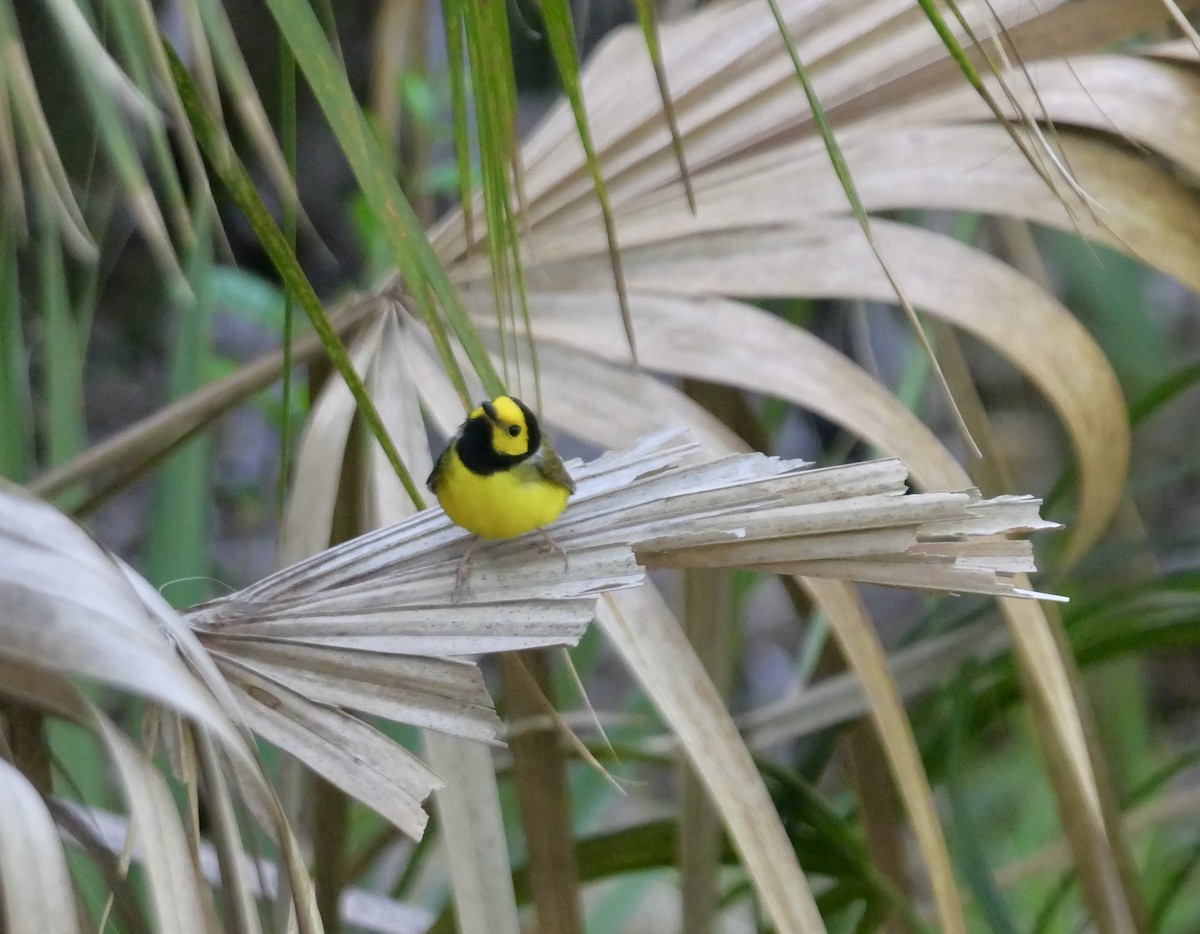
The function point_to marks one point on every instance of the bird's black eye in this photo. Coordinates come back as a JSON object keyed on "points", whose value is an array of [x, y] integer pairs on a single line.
{"points": [[514, 430]]}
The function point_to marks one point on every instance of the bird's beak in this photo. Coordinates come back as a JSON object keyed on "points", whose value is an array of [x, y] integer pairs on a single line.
{"points": [[490, 411]]}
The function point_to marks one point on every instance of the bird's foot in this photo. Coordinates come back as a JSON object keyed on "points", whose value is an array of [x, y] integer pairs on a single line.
{"points": [[549, 544], [463, 573]]}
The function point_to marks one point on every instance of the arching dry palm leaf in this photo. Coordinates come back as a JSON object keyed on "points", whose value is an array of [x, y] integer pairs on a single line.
{"points": [[301, 654], [37, 890], [772, 220], [73, 609]]}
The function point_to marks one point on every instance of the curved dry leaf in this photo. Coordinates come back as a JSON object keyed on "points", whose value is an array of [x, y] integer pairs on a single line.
{"points": [[635, 403], [443, 694], [860, 647], [736, 94], [1138, 101], [37, 893], [740, 346], [945, 278], [840, 698], [393, 387], [308, 519], [172, 881], [99, 627], [348, 753], [473, 825], [641, 627]]}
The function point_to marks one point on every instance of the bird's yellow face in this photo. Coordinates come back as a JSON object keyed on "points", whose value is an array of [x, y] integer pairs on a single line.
{"points": [[509, 425]]}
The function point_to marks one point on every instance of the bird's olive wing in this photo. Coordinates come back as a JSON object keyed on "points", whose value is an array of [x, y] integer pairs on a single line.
{"points": [[435, 475], [550, 466]]}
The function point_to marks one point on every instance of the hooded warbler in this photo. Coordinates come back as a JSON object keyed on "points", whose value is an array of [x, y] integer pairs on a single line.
{"points": [[499, 477]]}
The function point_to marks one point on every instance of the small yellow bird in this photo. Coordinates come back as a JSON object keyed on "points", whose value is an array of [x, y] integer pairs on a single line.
{"points": [[499, 477]]}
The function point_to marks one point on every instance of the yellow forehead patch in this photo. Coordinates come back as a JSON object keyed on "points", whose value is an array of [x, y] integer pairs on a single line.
{"points": [[508, 411]]}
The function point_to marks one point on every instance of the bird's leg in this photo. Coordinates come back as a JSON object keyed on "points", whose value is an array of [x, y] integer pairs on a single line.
{"points": [[464, 569], [549, 544]]}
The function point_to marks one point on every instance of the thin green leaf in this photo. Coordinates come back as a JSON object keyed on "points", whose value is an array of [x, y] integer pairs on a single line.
{"points": [[240, 86], [177, 548], [241, 187], [419, 267], [13, 189], [49, 177], [838, 161], [287, 140], [138, 56], [1159, 395], [648, 20], [967, 842], [148, 40], [452, 19], [561, 33], [485, 32], [16, 407], [117, 138], [63, 374]]}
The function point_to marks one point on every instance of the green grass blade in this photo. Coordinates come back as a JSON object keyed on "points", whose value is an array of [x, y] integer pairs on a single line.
{"points": [[232, 69], [48, 176], [415, 259], [16, 408], [138, 58], [241, 188], [148, 39], [63, 427], [648, 20], [177, 547], [561, 34], [456, 67], [960, 57], [287, 139], [494, 120], [1163, 392], [115, 134], [967, 838], [842, 170], [12, 188]]}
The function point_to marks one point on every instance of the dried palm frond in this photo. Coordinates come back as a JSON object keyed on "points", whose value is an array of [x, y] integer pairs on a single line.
{"points": [[374, 626]]}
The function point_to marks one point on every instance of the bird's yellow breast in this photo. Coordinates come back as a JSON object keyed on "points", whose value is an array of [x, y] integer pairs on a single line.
{"points": [[499, 505]]}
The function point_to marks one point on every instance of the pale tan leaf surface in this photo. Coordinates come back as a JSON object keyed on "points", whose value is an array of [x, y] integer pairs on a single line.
{"points": [[436, 693], [643, 630], [36, 889], [473, 825], [393, 387], [100, 626], [740, 346], [364, 910], [945, 278], [863, 58], [468, 805], [346, 751], [308, 519], [840, 698], [172, 881], [111, 626], [863, 653]]}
